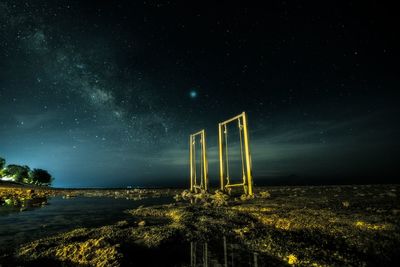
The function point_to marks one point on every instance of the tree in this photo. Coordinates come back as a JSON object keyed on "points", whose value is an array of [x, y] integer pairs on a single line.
{"points": [[2, 163], [40, 176], [17, 171]]}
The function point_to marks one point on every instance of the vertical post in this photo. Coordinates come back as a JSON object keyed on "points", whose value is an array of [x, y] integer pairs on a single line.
{"points": [[247, 154], [191, 161], [232, 254], [225, 253], [193, 254], [255, 259], [205, 255], [194, 163], [221, 163], [205, 163]]}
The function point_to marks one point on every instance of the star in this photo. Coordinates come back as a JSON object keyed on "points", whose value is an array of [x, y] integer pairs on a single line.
{"points": [[193, 94]]}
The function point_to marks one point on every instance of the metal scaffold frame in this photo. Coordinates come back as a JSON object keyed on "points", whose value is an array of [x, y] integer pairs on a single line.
{"points": [[203, 163], [245, 155]]}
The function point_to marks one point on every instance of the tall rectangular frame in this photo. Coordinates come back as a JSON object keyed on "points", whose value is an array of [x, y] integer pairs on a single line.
{"points": [[203, 162], [246, 158]]}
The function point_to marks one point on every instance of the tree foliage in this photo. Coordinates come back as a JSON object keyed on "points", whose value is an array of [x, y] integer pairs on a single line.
{"points": [[24, 174], [17, 171], [40, 176], [2, 163]]}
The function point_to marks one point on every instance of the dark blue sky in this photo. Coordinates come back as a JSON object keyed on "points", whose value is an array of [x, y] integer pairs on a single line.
{"points": [[101, 93]]}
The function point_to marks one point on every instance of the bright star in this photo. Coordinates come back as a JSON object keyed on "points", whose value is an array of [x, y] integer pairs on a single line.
{"points": [[193, 94]]}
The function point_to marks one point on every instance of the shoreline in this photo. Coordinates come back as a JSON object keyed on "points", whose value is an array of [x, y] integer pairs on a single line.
{"points": [[302, 226]]}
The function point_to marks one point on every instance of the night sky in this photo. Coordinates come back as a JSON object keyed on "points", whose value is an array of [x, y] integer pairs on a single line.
{"points": [[106, 93]]}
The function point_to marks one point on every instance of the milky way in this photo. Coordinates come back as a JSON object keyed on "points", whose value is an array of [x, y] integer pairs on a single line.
{"points": [[107, 94]]}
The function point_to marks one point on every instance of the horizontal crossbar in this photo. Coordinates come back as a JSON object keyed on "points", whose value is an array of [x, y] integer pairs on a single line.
{"points": [[198, 133], [232, 119], [232, 185]]}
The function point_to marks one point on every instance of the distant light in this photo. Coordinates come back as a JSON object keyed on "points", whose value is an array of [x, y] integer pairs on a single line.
{"points": [[193, 94]]}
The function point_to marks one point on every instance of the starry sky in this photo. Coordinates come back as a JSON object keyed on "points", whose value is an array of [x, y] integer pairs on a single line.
{"points": [[106, 93]]}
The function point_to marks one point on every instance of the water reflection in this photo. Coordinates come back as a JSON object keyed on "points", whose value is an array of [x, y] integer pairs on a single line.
{"points": [[23, 205], [41, 217], [221, 253]]}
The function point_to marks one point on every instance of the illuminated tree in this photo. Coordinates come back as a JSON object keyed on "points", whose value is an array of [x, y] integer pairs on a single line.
{"points": [[17, 171], [2, 164]]}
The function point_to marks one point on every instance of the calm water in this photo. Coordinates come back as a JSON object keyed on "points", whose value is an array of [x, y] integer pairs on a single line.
{"points": [[45, 217], [218, 252]]}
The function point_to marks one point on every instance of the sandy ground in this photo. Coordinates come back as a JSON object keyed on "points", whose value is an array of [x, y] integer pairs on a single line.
{"points": [[302, 226]]}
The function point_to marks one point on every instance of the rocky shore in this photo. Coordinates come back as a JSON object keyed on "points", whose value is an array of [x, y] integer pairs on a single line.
{"points": [[17, 195], [302, 226]]}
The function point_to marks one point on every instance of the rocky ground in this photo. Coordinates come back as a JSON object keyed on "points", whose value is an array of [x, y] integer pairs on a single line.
{"points": [[302, 226]]}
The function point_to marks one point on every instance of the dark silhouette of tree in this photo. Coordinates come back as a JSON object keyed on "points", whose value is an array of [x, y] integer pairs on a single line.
{"points": [[2, 163], [40, 176]]}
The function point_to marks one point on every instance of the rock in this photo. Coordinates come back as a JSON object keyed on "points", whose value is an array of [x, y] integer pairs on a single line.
{"points": [[219, 199], [93, 252], [177, 197], [122, 223], [292, 259], [346, 204], [30, 191], [186, 194], [264, 194], [206, 204]]}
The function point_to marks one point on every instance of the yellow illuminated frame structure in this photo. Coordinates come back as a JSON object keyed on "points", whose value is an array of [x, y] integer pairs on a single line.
{"points": [[203, 162], [245, 154]]}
